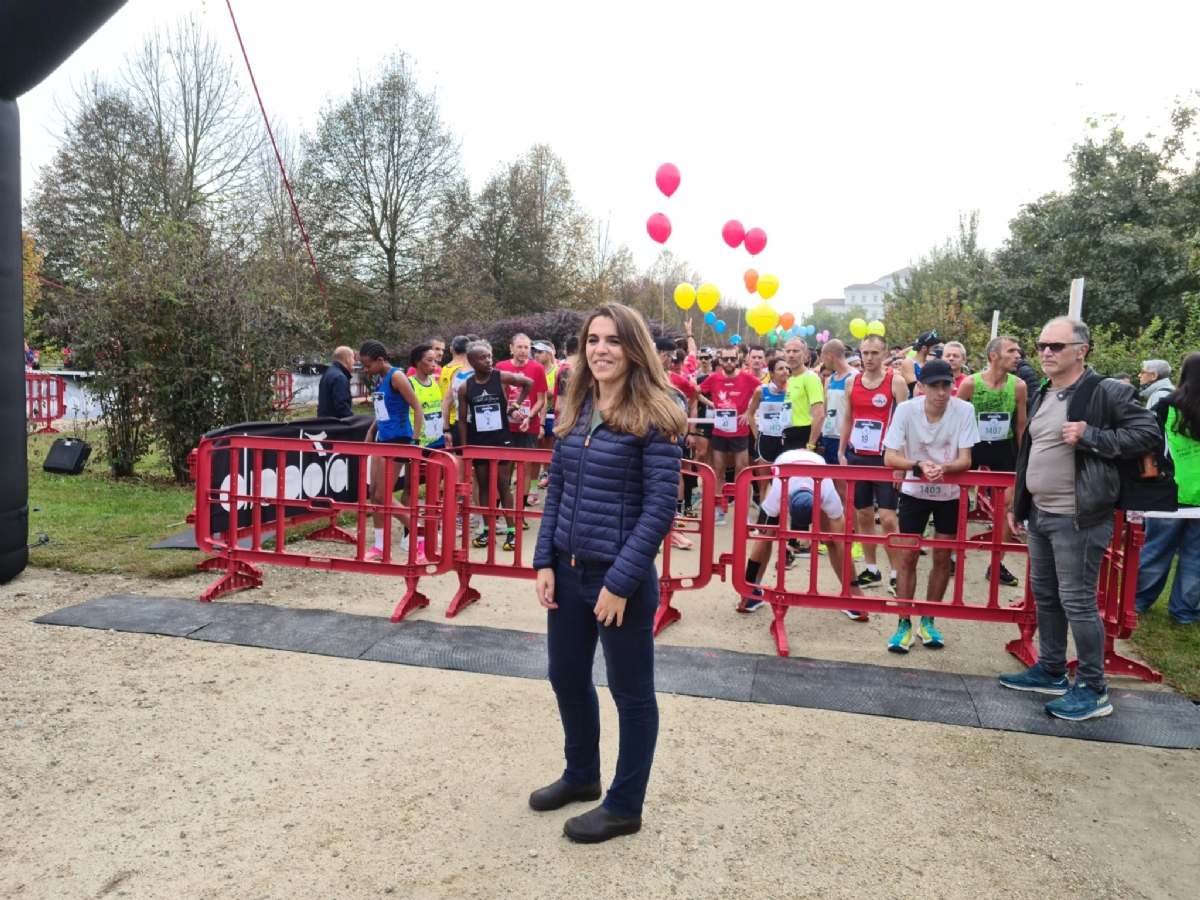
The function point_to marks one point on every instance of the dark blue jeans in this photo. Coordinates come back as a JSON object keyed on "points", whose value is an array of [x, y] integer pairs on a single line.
{"points": [[1064, 572], [571, 635], [1166, 539]]}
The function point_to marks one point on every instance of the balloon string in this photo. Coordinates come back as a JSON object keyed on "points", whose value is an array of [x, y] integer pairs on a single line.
{"points": [[279, 159]]}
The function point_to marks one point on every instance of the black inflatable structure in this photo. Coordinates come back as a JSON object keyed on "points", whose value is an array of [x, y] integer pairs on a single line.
{"points": [[36, 36]]}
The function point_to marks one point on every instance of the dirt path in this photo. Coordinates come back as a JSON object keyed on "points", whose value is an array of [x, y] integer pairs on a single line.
{"points": [[143, 766]]}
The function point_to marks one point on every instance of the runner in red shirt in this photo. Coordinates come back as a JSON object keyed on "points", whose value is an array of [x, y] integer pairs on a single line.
{"points": [[730, 392], [525, 421]]}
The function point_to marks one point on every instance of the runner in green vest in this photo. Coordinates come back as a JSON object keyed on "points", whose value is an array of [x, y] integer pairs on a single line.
{"points": [[1000, 399]]}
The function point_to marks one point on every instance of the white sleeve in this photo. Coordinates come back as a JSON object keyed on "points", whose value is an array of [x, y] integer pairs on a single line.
{"points": [[831, 503], [968, 429], [770, 504], [894, 439]]}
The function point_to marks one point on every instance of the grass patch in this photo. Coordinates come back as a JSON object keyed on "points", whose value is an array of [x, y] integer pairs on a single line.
{"points": [[99, 524], [1171, 648]]}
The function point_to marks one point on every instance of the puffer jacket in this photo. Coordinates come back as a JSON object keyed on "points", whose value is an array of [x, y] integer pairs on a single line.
{"points": [[1118, 428], [610, 500]]}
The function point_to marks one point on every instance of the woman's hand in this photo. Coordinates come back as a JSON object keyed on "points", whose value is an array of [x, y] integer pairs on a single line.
{"points": [[610, 609], [545, 588]]}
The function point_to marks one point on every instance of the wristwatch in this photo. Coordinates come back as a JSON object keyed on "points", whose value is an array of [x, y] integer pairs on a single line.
{"points": [[917, 469]]}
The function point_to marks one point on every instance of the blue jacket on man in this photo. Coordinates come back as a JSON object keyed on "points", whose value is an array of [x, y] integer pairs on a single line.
{"points": [[611, 500], [333, 393]]}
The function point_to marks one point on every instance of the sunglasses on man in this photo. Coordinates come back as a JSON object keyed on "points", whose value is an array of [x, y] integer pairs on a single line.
{"points": [[1055, 346]]}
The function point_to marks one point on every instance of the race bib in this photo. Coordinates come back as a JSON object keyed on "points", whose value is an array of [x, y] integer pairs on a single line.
{"points": [[927, 490], [433, 425], [770, 419], [994, 426], [832, 426], [488, 418], [381, 412], [726, 420], [867, 436]]}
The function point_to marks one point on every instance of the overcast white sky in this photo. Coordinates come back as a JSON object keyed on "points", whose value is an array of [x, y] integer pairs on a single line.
{"points": [[854, 134]]}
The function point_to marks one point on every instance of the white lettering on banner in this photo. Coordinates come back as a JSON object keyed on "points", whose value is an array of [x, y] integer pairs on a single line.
{"points": [[726, 420], [993, 426], [381, 412], [330, 475], [867, 436]]}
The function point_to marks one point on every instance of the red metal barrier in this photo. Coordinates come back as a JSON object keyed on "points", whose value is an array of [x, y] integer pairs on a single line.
{"points": [[45, 400], [498, 562], [254, 490], [804, 590], [282, 384], [1117, 598]]}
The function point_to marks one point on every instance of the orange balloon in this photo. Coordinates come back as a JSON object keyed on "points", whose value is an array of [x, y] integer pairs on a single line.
{"points": [[751, 279], [787, 320]]}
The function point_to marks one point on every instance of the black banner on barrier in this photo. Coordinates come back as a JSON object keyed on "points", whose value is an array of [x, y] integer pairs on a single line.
{"points": [[318, 472]]}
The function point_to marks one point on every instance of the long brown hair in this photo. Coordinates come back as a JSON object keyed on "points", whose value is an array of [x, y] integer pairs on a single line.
{"points": [[646, 401]]}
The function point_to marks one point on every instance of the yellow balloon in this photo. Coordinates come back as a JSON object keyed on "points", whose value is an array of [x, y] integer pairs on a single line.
{"points": [[858, 328], [685, 296], [762, 318], [767, 286], [876, 327], [708, 296]]}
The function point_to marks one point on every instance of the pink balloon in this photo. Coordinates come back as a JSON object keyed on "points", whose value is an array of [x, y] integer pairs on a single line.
{"points": [[756, 241], [733, 233], [667, 179], [658, 227]]}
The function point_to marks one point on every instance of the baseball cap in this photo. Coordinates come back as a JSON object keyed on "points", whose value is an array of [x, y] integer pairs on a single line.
{"points": [[543, 346], [664, 345], [928, 339], [936, 370]]}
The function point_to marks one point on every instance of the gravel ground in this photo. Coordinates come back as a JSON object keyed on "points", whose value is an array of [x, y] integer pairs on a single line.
{"points": [[145, 766]]}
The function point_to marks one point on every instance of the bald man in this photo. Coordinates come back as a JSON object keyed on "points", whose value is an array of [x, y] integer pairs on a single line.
{"points": [[333, 393]]}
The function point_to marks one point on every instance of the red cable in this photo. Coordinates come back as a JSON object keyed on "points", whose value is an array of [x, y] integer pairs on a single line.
{"points": [[283, 172]]}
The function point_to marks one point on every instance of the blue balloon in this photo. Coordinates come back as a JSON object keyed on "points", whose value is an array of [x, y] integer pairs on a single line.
{"points": [[719, 328], [736, 339], [810, 329], [709, 318], [796, 330]]}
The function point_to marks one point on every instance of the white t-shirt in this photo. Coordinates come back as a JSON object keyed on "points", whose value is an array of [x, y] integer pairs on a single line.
{"points": [[912, 434], [831, 503]]}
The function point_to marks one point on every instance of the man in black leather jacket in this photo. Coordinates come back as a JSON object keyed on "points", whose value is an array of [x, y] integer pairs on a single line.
{"points": [[1067, 487]]}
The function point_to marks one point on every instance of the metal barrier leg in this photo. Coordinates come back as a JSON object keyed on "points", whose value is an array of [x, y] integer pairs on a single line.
{"points": [[465, 595], [333, 532], [238, 575], [779, 629], [666, 612], [413, 599], [1118, 664]]}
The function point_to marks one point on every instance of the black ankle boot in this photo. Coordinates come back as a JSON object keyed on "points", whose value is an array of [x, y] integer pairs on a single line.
{"points": [[600, 825], [559, 794]]}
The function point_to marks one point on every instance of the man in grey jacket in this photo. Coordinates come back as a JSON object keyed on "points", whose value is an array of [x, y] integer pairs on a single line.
{"points": [[1066, 490], [1155, 379]]}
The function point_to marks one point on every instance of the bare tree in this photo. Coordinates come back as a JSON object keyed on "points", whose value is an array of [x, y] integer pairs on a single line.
{"points": [[376, 173]]}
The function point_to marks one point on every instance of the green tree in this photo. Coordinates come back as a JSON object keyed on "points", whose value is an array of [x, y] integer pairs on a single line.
{"points": [[1124, 224]]}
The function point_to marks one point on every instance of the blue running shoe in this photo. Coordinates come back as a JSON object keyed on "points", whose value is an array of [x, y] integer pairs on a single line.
{"points": [[1081, 702], [902, 639], [752, 603], [930, 636], [1037, 680]]}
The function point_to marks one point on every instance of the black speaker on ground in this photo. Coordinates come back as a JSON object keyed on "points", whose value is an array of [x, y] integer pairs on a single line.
{"points": [[67, 456]]}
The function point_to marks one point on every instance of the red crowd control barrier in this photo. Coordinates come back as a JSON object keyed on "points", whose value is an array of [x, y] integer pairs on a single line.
{"points": [[1117, 597], [282, 383], [802, 589], [45, 400], [320, 480], [517, 563]]}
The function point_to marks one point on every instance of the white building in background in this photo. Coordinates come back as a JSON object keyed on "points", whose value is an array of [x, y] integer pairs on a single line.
{"points": [[868, 297]]}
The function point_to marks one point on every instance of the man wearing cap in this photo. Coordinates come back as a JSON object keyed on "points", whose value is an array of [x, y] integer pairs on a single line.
{"points": [[911, 368], [930, 437]]}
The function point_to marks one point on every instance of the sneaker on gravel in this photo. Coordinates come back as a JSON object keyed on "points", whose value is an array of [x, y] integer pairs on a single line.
{"points": [[1081, 702], [752, 603], [902, 639], [510, 540], [856, 551], [544, 480], [481, 539], [678, 540], [531, 500], [869, 579], [719, 518], [892, 586], [856, 616], [1007, 578], [373, 554], [930, 636], [1037, 680]]}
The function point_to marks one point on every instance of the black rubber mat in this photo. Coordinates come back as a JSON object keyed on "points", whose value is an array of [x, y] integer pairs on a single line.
{"points": [[186, 540], [1150, 718]]}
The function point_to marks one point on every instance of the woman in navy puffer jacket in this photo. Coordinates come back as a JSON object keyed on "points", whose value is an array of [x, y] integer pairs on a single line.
{"points": [[614, 479]]}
